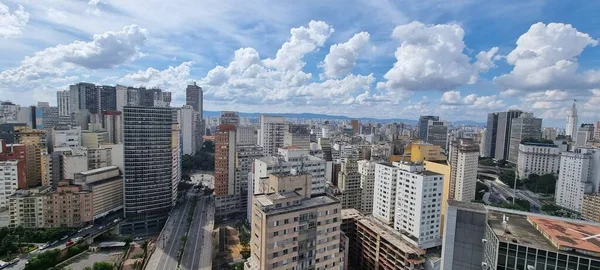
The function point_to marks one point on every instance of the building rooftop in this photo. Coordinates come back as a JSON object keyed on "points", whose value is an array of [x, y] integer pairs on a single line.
{"points": [[350, 213], [545, 232], [390, 235], [100, 170], [265, 201], [467, 205], [539, 144]]}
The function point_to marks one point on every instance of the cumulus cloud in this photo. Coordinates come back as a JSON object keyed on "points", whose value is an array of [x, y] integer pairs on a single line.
{"points": [[452, 99], [173, 79], [431, 58], [12, 23], [546, 58], [342, 57], [104, 51]]}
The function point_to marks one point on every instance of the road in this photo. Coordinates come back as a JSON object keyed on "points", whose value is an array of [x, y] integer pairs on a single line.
{"points": [[169, 241], [99, 224], [198, 249]]}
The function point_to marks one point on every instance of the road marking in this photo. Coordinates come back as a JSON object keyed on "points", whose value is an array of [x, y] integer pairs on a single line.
{"points": [[197, 234], [176, 233]]}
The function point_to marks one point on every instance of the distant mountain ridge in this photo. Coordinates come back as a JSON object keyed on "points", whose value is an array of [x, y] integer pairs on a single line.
{"points": [[340, 117]]}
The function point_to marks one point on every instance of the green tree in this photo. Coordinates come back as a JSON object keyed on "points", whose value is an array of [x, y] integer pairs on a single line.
{"points": [[43, 260], [102, 266], [128, 239]]}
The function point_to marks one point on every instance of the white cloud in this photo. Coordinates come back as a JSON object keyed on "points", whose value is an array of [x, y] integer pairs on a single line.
{"points": [[431, 58], [510, 93], [485, 60], [342, 57], [454, 99], [104, 51], [12, 24], [173, 79], [302, 41], [546, 58]]}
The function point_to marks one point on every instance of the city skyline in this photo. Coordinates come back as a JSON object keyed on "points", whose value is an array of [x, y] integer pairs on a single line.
{"points": [[306, 58]]}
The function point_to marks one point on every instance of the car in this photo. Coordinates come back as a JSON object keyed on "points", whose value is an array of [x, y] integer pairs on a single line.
{"points": [[54, 242], [101, 227], [64, 237], [70, 242], [77, 239], [116, 220], [44, 246]]}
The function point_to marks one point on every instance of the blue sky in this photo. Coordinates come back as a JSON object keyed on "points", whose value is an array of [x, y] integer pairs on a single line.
{"points": [[361, 58]]}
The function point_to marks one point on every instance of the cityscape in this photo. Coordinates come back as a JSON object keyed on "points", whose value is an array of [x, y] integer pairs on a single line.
{"points": [[436, 147]]}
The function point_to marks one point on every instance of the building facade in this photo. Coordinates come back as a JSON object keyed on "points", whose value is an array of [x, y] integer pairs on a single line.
{"points": [[523, 128], [537, 158], [572, 121], [366, 169], [13, 175], [579, 175], [271, 134], [187, 119], [349, 184], [437, 133], [423, 125], [464, 229], [464, 159]]}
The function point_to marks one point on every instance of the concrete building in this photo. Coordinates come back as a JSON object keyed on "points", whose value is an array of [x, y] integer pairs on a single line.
{"points": [[26, 208], [99, 158], [34, 146], [13, 175], [244, 160], [464, 229], [349, 184], [246, 135], [464, 159], [498, 133], [418, 204], [229, 118], [106, 184], [148, 165], [374, 245], [68, 136], [194, 97], [224, 161], [116, 155], [523, 128], [355, 126], [572, 122], [113, 124], [443, 168], [73, 162], [423, 125], [271, 132], [84, 96], [176, 161], [187, 119], [297, 135], [419, 152], [108, 98], [366, 169], [537, 158], [68, 206], [597, 131], [591, 204], [7, 131], [579, 175], [584, 134], [93, 139], [437, 133], [384, 194], [292, 229], [549, 133]]}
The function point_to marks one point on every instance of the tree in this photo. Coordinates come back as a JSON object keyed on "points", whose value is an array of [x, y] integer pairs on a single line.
{"points": [[487, 162], [43, 260], [102, 266], [128, 239]]}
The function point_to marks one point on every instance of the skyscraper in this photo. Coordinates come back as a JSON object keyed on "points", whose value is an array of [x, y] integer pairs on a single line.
{"points": [[148, 162], [193, 97], [491, 131], [84, 96], [571, 129], [524, 127], [423, 123], [498, 134], [349, 184], [271, 133], [355, 126], [224, 161], [229, 118], [108, 98], [437, 133], [62, 98], [113, 123], [579, 174], [584, 134], [187, 119], [464, 159]]}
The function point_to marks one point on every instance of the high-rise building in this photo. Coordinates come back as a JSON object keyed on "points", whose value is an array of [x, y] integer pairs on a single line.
{"points": [[498, 133], [229, 118], [366, 169], [464, 229], [187, 119], [246, 135], [14, 177], [373, 245], [33, 141], [148, 166], [572, 121], [597, 131], [84, 96], [589, 209], [292, 229], [297, 135], [66, 136], [106, 184], [464, 158], [224, 161], [584, 134], [349, 184], [355, 126], [7, 131], [419, 152], [549, 133], [437, 133], [108, 98], [384, 194], [579, 175], [194, 97], [244, 160], [271, 133], [443, 168], [63, 101], [524, 127], [93, 139], [423, 124], [113, 124], [537, 158]]}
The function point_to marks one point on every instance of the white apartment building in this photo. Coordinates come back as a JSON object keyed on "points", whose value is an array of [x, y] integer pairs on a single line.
{"points": [[271, 133], [74, 162], [366, 169], [418, 204], [67, 137], [187, 119], [537, 158], [62, 98], [464, 159], [10, 174], [384, 192], [579, 174], [99, 158], [245, 135]]}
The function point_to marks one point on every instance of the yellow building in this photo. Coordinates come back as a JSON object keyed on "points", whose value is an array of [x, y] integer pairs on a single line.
{"points": [[443, 168], [32, 139], [420, 152]]}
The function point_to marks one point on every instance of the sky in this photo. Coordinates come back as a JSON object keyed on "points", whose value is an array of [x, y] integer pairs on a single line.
{"points": [[459, 59]]}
